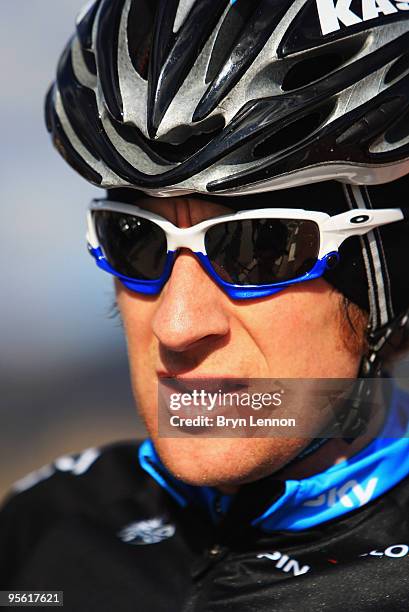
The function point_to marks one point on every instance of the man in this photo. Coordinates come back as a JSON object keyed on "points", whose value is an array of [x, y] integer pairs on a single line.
{"points": [[219, 129]]}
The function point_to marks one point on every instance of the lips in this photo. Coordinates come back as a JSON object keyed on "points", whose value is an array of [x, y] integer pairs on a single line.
{"points": [[211, 384]]}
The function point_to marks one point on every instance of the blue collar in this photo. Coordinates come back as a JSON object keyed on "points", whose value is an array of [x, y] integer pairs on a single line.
{"points": [[322, 497]]}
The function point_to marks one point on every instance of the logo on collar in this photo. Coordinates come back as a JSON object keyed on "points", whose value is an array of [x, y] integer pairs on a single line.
{"points": [[150, 531], [335, 15], [350, 495]]}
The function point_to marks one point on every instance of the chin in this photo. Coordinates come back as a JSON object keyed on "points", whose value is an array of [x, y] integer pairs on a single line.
{"points": [[224, 461]]}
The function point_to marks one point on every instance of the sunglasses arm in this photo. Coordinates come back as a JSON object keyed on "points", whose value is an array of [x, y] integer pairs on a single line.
{"points": [[360, 221]]}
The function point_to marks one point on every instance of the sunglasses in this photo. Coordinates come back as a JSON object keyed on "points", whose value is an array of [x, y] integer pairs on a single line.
{"points": [[249, 254]]}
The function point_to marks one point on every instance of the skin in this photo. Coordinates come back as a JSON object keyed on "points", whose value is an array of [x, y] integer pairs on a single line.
{"points": [[192, 329]]}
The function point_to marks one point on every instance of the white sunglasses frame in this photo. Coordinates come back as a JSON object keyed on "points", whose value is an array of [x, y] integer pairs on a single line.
{"points": [[334, 230]]}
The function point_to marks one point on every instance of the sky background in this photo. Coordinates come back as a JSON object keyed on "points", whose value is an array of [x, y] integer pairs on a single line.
{"points": [[63, 375]]}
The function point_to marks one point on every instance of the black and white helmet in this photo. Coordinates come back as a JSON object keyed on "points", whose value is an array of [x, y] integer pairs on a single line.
{"points": [[231, 98]]}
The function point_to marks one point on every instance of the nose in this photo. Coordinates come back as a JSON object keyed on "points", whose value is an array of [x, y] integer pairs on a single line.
{"points": [[192, 309]]}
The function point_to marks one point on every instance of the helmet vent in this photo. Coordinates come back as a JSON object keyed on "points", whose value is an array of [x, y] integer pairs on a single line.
{"points": [[316, 67], [180, 153], [310, 70], [397, 69], [293, 134], [140, 35]]}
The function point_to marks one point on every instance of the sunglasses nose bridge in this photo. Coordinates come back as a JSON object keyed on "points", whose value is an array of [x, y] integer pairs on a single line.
{"points": [[188, 238]]}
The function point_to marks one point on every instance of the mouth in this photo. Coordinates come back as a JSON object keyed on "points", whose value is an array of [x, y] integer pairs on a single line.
{"points": [[198, 397], [209, 384]]}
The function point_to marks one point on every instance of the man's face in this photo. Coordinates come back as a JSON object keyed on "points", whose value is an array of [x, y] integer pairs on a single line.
{"points": [[194, 330]]}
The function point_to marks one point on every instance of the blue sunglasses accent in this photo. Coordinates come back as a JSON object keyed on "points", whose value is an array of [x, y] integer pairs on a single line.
{"points": [[237, 292], [241, 292], [147, 287]]}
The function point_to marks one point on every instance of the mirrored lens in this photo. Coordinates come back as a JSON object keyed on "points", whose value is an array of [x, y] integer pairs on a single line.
{"points": [[133, 246], [262, 251]]}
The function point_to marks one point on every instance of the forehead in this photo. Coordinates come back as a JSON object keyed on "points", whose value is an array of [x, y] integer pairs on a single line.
{"points": [[325, 197], [183, 211]]}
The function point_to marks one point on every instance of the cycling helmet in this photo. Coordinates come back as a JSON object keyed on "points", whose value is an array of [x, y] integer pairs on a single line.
{"points": [[213, 96]]}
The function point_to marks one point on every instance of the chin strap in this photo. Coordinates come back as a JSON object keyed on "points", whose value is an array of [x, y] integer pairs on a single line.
{"points": [[353, 415]]}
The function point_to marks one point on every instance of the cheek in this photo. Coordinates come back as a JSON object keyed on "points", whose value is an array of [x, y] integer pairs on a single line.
{"points": [[300, 335], [137, 312]]}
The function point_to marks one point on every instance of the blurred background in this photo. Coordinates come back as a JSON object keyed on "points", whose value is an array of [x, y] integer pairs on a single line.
{"points": [[63, 375]]}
